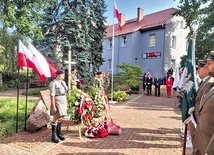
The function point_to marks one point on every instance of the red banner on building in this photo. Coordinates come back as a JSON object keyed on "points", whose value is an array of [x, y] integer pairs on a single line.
{"points": [[151, 55]]}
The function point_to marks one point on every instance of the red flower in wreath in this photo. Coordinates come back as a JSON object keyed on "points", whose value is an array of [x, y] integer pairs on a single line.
{"points": [[87, 116], [80, 111]]}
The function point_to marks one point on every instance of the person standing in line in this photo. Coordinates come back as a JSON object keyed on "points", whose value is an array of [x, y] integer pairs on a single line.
{"points": [[94, 79], [170, 71], [157, 84], [144, 82], [74, 79], [203, 138], [106, 82], [169, 83], [58, 90], [164, 78], [99, 80], [149, 82], [205, 82]]}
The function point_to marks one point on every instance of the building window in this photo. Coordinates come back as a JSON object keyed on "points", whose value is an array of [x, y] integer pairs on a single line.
{"points": [[110, 44], [173, 42], [152, 40], [182, 24], [124, 41], [109, 64]]}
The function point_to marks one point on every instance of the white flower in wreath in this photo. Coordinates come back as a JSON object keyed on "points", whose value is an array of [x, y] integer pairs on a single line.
{"points": [[77, 95], [88, 99]]}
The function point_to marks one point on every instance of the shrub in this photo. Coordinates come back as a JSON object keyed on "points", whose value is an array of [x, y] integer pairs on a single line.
{"points": [[3, 87], [129, 74], [118, 96]]}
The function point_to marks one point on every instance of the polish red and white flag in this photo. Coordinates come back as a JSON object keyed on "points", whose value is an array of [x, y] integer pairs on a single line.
{"points": [[32, 58], [117, 15]]}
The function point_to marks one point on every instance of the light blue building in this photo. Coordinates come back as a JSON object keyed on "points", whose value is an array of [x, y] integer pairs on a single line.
{"points": [[155, 42]]}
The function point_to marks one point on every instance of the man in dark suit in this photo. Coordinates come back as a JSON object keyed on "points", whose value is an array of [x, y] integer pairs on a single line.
{"points": [[157, 84], [149, 82], [203, 137], [170, 71]]}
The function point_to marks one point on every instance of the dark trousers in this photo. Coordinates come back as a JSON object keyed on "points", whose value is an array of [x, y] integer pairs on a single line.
{"points": [[149, 90], [157, 90], [144, 86]]}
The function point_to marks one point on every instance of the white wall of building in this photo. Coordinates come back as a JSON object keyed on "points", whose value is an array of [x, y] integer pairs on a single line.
{"points": [[175, 28]]}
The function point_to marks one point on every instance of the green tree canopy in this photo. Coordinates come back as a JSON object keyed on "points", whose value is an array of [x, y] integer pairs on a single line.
{"points": [[200, 13]]}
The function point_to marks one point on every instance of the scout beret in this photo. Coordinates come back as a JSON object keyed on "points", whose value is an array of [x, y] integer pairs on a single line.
{"points": [[98, 73], [73, 68], [60, 71], [201, 63], [211, 56]]}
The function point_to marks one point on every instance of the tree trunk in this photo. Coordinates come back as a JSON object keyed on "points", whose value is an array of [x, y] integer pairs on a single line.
{"points": [[1, 82]]}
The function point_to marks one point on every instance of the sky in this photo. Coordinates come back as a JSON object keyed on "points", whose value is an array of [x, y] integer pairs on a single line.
{"points": [[129, 7]]}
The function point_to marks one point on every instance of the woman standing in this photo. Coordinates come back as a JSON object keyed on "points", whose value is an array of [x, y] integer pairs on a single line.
{"points": [[58, 90], [169, 83]]}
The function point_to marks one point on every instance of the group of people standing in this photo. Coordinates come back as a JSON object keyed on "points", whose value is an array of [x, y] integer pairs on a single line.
{"points": [[102, 80], [157, 81]]}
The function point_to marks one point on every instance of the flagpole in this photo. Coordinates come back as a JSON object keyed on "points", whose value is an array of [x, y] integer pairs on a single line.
{"points": [[17, 103], [26, 100], [112, 56], [194, 68], [17, 98], [185, 139]]}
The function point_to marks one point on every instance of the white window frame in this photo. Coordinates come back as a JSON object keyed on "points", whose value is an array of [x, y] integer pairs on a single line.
{"points": [[110, 44], [109, 64], [124, 41], [182, 24], [152, 40], [173, 44]]}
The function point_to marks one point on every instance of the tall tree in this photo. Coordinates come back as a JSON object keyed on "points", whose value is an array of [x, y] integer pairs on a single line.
{"points": [[77, 26], [19, 19], [50, 23], [9, 42], [201, 13], [23, 16], [97, 32]]}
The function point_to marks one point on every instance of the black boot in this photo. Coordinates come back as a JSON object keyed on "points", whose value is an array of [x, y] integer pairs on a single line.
{"points": [[54, 139], [58, 130]]}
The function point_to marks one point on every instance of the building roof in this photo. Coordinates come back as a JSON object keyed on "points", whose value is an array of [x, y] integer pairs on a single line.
{"points": [[148, 21]]}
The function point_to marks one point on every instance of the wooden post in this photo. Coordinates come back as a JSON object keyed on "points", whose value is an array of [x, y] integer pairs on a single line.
{"points": [[69, 62], [80, 136], [185, 139]]}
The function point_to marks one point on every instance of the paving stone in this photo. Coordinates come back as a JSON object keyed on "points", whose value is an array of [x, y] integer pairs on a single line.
{"points": [[150, 126]]}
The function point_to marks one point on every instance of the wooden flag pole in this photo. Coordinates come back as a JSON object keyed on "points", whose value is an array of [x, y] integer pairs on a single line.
{"points": [[185, 139]]}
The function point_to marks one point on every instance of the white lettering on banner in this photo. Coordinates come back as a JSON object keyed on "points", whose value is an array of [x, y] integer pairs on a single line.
{"points": [[151, 55]]}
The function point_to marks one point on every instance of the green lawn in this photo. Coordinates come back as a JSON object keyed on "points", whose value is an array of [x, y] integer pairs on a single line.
{"points": [[8, 112]]}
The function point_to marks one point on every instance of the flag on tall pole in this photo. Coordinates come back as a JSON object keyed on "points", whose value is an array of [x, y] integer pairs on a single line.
{"points": [[33, 59], [44, 67], [190, 85], [117, 15]]}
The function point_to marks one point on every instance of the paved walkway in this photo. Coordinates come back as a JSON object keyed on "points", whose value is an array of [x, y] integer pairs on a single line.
{"points": [[150, 126]]}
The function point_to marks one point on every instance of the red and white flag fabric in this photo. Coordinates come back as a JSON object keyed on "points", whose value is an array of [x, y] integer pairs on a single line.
{"points": [[117, 15], [32, 58]]}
